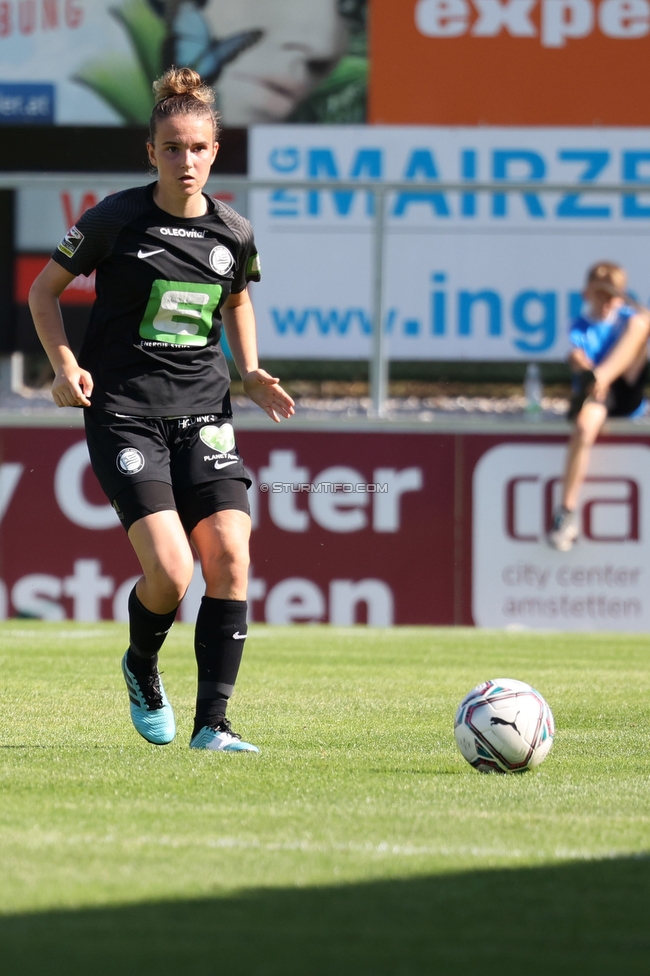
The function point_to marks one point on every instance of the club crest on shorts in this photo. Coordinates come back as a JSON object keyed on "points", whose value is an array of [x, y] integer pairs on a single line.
{"points": [[221, 439], [221, 260], [129, 461]]}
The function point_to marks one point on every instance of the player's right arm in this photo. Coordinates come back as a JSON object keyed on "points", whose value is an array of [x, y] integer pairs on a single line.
{"points": [[72, 385], [578, 358]]}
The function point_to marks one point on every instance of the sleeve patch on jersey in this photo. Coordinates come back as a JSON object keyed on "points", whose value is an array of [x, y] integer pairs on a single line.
{"points": [[71, 242], [253, 267]]}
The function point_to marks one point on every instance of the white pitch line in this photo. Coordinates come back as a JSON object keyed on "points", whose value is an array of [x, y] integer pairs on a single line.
{"points": [[35, 841]]}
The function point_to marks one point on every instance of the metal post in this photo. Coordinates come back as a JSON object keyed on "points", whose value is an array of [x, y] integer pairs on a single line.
{"points": [[379, 361], [12, 373]]}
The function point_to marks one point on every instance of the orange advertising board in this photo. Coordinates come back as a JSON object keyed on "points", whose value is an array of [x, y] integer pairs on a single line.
{"points": [[510, 62]]}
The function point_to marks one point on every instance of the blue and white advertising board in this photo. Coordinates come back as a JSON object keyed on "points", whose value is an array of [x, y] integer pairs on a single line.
{"points": [[487, 276]]}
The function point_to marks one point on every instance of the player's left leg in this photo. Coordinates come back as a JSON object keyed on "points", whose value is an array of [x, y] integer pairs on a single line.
{"points": [[221, 541], [588, 425], [210, 488]]}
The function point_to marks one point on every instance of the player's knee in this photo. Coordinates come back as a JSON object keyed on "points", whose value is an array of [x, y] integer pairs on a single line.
{"points": [[234, 565], [584, 436], [580, 432], [171, 581], [587, 426], [178, 586], [228, 567]]}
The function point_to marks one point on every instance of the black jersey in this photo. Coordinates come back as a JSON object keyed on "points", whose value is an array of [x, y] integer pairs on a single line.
{"points": [[152, 344]]}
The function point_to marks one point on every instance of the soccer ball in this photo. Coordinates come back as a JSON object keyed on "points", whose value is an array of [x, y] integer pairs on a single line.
{"points": [[504, 726]]}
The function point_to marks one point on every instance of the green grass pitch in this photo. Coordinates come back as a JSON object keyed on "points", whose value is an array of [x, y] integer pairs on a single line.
{"points": [[358, 842]]}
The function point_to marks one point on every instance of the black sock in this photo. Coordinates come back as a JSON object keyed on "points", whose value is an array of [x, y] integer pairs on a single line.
{"points": [[218, 645], [147, 631]]}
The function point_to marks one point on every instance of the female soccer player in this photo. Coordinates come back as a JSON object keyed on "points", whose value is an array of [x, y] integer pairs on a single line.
{"points": [[172, 267], [609, 360]]}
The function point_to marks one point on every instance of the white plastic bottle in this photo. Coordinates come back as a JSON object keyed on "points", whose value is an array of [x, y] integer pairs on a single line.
{"points": [[533, 388]]}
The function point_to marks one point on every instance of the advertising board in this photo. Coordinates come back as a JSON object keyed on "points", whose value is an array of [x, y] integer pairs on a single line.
{"points": [[356, 526], [466, 275], [45, 213], [92, 62], [602, 583], [365, 550], [510, 62]]}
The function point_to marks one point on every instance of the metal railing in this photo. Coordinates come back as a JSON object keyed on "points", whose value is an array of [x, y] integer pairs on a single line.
{"points": [[379, 359]]}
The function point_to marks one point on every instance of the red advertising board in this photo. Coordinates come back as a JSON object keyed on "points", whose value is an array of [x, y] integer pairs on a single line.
{"points": [[379, 547], [366, 526], [510, 62], [80, 291]]}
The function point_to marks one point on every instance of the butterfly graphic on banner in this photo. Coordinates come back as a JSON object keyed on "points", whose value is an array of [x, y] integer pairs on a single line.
{"points": [[189, 42]]}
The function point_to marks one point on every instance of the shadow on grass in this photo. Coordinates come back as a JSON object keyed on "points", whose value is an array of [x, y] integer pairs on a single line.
{"points": [[574, 918]]}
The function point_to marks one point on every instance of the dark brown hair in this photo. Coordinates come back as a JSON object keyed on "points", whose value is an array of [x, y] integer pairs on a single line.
{"points": [[180, 91]]}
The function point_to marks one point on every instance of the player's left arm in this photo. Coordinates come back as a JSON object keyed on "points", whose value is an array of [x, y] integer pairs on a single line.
{"points": [[263, 389], [630, 349]]}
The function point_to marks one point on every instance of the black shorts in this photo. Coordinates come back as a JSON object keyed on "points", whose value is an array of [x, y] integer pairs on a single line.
{"points": [[624, 399], [151, 464]]}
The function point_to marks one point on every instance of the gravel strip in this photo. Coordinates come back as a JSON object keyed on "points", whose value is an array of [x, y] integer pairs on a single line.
{"points": [[424, 408]]}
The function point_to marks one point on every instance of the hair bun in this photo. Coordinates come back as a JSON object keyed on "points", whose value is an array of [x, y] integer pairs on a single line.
{"points": [[181, 91], [182, 82]]}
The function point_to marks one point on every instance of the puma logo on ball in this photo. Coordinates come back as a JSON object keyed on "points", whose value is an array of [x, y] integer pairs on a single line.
{"points": [[501, 721]]}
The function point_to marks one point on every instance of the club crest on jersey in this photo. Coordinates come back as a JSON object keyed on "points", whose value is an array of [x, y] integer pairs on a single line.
{"points": [[129, 461], [221, 260], [71, 242]]}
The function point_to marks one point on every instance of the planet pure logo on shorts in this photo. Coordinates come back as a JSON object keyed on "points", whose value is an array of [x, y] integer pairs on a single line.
{"points": [[129, 461], [221, 260], [221, 439], [71, 242]]}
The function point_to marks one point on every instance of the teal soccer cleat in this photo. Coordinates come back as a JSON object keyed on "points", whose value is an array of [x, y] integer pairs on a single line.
{"points": [[151, 713], [220, 739]]}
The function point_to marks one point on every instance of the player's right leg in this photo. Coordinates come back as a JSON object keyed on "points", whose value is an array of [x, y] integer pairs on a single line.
{"points": [[161, 546], [588, 425], [130, 457]]}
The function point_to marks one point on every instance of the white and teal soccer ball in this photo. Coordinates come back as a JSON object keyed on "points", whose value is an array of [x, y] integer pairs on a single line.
{"points": [[504, 726]]}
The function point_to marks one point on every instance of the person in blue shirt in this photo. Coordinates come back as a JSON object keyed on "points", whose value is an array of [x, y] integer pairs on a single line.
{"points": [[609, 361]]}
